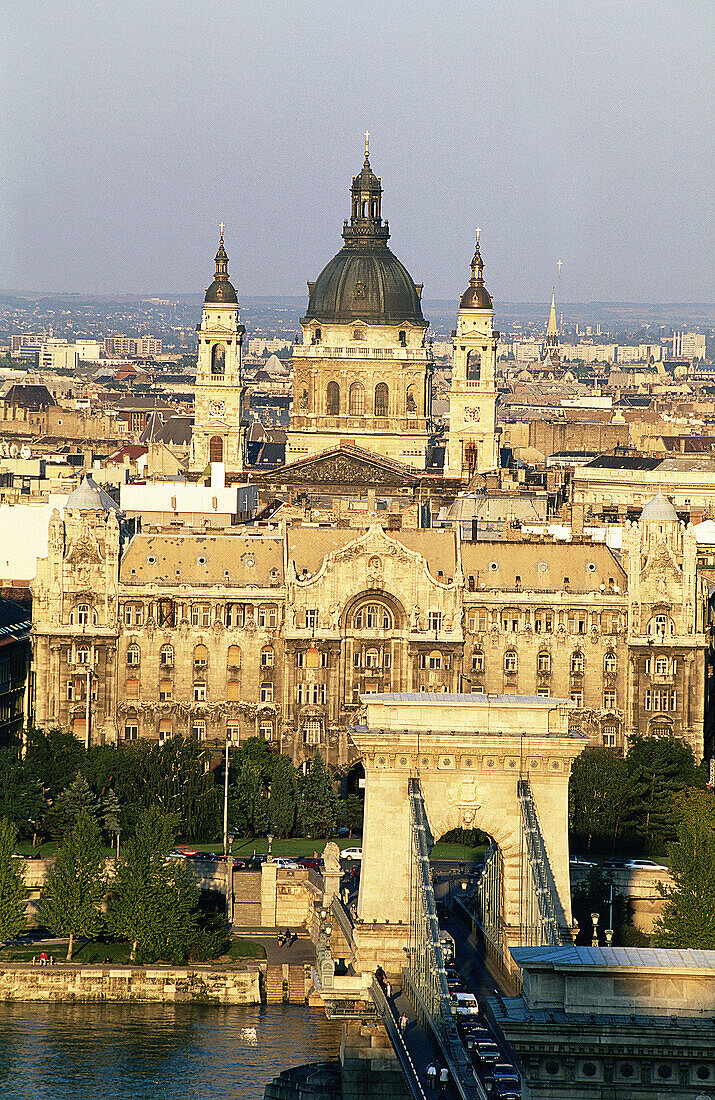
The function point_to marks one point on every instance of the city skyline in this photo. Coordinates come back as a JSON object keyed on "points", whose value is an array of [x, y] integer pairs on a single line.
{"points": [[121, 189]]}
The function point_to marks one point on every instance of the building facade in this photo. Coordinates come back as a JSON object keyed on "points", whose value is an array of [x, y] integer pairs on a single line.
{"points": [[363, 368]]}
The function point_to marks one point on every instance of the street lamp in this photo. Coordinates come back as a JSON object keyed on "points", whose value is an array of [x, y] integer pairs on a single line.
{"points": [[594, 918], [270, 842]]}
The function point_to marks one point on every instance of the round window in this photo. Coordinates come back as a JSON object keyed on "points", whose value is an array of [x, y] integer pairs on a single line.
{"points": [[591, 566], [542, 567], [151, 561], [201, 561], [493, 566], [468, 763]]}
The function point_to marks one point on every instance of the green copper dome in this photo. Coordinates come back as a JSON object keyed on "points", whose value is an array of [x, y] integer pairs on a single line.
{"points": [[365, 281]]}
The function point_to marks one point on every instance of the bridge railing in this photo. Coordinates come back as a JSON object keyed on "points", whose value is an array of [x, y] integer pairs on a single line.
{"points": [[425, 969], [538, 895]]}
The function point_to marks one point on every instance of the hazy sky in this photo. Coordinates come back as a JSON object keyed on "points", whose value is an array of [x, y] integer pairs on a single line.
{"points": [[580, 131]]}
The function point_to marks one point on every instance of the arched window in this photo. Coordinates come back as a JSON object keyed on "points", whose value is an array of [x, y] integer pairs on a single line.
{"points": [[134, 655], [267, 657], [609, 662], [216, 449], [577, 662], [373, 616], [365, 208], [166, 655], [82, 657], [474, 366], [218, 359], [435, 660], [381, 399], [661, 625], [333, 399], [410, 401], [471, 456], [233, 658], [372, 658], [543, 662], [357, 399], [510, 661], [83, 614], [402, 337], [201, 656]]}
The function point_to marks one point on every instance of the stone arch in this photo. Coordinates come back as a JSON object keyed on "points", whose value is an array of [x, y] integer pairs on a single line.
{"points": [[218, 359], [474, 366], [332, 399], [382, 399], [216, 449], [356, 399]]}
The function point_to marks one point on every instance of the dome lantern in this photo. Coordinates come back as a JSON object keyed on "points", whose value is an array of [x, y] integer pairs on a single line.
{"points": [[476, 296], [221, 290]]}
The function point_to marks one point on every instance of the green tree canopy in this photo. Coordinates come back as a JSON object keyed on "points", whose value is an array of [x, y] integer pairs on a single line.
{"points": [[154, 900], [688, 915], [71, 802], [658, 769], [319, 803], [13, 893], [76, 885], [283, 800], [54, 758], [598, 793], [250, 771], [21, 797]]}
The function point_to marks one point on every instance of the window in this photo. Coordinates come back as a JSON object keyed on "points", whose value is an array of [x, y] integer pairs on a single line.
{"points": [[478, 662], [132, 688], [233, 691], [610, 734], [543, 662], [648, 700], [198, 729], [133, 655], [661, 666], [474, 366], [267, 657], [131, 729], [82, 655], [357, 399], [311, 618], [234, 614], [218, 361], [199, 691], [333, 399], [317, 694], [311, 731], [543, 621], [268, 616], [577, 698], [609, 700], [542, 693], [265, 730], [233, 657], [609, 663], [83, 614], [434, 621], [166, 728], [201, 656], [510, 661], [200, 614], [324, 659], [165, 691], [266, 693], [373, 617], [300, 658], [216, 449], [576, 662], [381, 399], [232, 732], [167, 613], [435, 660], [166, 655], [372, 659], [402, 337]]}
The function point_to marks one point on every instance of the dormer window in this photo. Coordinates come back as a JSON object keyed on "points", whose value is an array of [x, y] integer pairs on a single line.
{"points": [[402, 337]]}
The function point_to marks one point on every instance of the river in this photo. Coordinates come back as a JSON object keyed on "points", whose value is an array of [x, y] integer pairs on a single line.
{"points": [[88, 1051]]}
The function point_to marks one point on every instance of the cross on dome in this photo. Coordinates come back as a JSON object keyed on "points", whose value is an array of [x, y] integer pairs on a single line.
{"points": [[221, 228], [367, 144]]}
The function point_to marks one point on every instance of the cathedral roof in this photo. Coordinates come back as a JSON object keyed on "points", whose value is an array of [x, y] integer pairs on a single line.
{"points": [[365, 280], [659, 510]]}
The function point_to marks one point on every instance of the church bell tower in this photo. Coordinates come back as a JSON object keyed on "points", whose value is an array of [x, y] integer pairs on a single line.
{"points": [[217, 435], [472, 439]]}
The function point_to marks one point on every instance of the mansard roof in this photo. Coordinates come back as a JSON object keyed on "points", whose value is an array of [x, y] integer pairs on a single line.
{"points": [[202, 561], [540, 567]]}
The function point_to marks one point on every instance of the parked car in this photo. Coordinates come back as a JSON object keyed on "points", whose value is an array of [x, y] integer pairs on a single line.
{"points": [[351, 853], [310, 861], [644, 865], [203, 857], [184, 850], [289, 864], [579, 861]]}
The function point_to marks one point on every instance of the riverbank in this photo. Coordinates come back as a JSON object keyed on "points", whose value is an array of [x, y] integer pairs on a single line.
{"points": [[198, 983]]}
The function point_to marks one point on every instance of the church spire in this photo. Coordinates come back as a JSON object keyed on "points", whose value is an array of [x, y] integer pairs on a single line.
{"points": [[476, 296], [552, 332], [366, 227]]}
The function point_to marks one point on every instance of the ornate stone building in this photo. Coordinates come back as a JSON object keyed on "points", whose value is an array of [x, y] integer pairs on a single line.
{"points": [[472, 438], [217, 433], [363, 368], [280, 631]]}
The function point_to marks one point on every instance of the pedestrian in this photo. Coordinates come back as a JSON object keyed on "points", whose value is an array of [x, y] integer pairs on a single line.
{"points": [[388, 990], [431, 1076], [443, 1079], [403, 1022]]}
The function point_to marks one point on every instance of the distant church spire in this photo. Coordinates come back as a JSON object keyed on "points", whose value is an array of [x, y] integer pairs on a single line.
{"points": [[552, 334]]}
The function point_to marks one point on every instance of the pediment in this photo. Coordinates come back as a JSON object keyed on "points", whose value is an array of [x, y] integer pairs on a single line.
{"points": [[343, 466]]}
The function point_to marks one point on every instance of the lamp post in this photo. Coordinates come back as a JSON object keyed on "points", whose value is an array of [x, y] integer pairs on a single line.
{"points": [[594, 918], [270, 843]]}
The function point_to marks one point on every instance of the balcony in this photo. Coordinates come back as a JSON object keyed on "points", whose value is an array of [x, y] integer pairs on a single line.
{"points": [[322, 351]]}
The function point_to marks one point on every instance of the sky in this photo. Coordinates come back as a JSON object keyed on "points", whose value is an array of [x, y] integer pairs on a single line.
{"points": [[579, 131]]}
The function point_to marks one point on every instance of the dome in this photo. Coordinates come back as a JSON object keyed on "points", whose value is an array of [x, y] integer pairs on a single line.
{"points": [[659, 510], [367, 284], [365, 281], [221, 291], [476, 296], [85, 497]]}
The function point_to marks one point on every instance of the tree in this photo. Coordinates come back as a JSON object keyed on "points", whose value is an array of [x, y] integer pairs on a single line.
{"points": [[13, 895], [110, 813], [76, 885], [72, 801], [250, 773], [688, 915], [154, 898], [598, 797], [283, 801], [21, 799], [54, 759], [178, 779], [319, 803], [658, 769]]}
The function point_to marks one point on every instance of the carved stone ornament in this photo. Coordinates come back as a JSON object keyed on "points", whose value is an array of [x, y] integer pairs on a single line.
{"points": [[84, 551], [343, 469], [467, 797]]}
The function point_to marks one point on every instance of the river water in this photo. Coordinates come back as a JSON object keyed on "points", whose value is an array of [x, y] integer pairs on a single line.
{"points": [[155, 1051]]}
